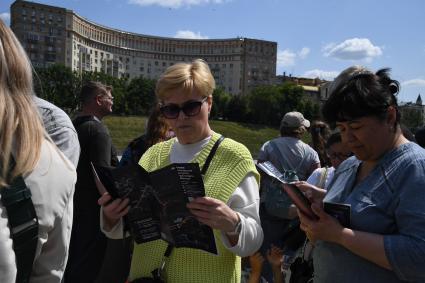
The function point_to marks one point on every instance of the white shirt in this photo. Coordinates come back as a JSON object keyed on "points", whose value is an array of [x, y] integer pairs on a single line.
{"points": [[314, 178], [245, 201]]}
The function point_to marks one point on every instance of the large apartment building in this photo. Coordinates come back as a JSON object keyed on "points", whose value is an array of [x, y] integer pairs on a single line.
{"points": [[58, 35]]}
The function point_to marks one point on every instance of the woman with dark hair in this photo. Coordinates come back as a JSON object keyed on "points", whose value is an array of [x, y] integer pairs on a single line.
{"points": [[157, 130], [337, 152], [383, 184], [320, 132]]}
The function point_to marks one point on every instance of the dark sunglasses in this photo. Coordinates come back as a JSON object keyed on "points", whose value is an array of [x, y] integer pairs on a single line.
{"points": [[189, 108]]}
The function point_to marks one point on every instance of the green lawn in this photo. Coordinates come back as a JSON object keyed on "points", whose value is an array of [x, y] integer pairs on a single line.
{"points": [[124, 129]]}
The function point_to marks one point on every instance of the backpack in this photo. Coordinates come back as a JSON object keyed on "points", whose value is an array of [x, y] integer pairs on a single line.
{"points": [[276, 200], [23, 225]]}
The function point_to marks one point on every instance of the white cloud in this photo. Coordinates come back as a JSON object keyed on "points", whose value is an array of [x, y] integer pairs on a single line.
{"points": [[321, 74], [353, 49], [189, 35], [5, 17], [174, 3], [287, 57], [304, 52], [414, 82]]}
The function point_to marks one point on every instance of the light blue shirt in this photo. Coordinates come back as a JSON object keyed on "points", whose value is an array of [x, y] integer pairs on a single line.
{"points": [[60, 129], [390, 201]]}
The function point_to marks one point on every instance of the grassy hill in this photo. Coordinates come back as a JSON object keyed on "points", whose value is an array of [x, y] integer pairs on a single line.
{"points": [[124, 129]]}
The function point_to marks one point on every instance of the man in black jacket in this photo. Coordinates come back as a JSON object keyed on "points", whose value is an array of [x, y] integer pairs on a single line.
{"points": [[88, 244]]}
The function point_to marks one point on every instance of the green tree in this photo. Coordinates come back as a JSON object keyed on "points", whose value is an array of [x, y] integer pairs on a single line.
{"points": [[264, 106], [220, 103], [291, 98], [311, 110], [412, 118], [59, 85], [237, 109], [140, 96]]}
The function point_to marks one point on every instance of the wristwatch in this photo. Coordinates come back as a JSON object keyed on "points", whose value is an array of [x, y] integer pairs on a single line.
{"points": [[237, 230]]}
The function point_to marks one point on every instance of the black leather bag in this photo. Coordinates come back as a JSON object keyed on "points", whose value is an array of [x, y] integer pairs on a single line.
{"points": [[302, 271]]}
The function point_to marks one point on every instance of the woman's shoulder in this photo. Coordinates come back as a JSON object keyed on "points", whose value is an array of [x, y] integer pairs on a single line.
{"points": [[52, 181], [407, 160], [404, 157], [231, 147], [53, 165], [156, 151]]}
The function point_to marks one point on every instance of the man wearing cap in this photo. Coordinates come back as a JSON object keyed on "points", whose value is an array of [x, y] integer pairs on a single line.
{"points": [[287, 152]]}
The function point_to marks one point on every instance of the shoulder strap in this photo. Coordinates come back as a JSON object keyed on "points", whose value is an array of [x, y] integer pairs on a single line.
{"points": [[23, 224], [158, 273], [211, 155], [276, 149]]}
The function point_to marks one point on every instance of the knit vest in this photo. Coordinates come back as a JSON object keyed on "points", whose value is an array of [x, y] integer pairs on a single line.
{"points": [[231, 163]]}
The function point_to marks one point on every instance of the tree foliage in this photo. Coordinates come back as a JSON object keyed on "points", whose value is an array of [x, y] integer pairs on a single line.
{"points": [[61, 86], [221, 101], [264, 105], [412, 118]]}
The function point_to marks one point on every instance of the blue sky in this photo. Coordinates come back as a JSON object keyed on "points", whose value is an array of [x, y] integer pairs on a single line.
{"points": [[315, 37]]}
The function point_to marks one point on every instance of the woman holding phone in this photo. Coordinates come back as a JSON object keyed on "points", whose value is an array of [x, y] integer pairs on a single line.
{"points": [[383, 183]]}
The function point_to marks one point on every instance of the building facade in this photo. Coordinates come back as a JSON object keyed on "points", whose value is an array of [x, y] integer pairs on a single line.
{"points": [[57, 35], [314, 88]]}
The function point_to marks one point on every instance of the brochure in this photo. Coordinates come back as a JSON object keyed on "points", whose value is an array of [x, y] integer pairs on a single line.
{"points": [[297, 197], [158, 203]]}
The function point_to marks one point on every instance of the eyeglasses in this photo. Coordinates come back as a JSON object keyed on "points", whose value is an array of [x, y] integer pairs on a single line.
{"points": [[189, 108]]}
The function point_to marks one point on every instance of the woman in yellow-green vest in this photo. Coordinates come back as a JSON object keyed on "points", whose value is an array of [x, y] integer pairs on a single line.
{"points": [[231, 204]]}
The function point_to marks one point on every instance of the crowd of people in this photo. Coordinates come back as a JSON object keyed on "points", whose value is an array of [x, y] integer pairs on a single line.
{"points": [[57, 225]]}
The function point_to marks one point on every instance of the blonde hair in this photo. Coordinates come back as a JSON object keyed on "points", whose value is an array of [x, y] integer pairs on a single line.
{"points": [[21, 129], [186, 76]]}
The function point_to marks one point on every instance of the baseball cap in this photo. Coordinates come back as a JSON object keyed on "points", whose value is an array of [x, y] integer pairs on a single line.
{"points": [[294, 120]]}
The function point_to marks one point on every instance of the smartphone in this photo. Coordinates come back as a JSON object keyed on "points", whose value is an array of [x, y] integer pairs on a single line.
{"points": [[341, 211], [300, 200]]}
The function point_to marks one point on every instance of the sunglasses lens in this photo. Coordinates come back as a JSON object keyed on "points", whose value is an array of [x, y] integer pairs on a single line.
{"points": [[192, 108], [170, 111]]}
